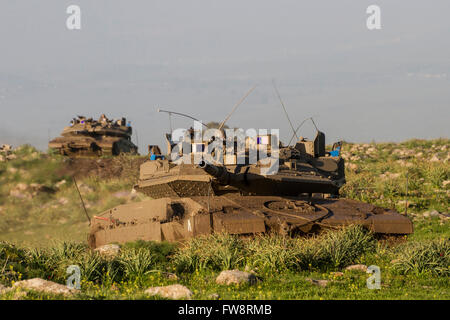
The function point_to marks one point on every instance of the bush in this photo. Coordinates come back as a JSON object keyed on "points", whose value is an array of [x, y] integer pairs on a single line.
{"points": [[431, 257], [216, 252]]}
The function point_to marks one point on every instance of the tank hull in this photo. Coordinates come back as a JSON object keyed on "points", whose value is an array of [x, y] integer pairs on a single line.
{"points": [[92, 146], [178, 219]]}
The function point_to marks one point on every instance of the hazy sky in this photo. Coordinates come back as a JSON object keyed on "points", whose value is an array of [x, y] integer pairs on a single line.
{"points": [[200, 57]]}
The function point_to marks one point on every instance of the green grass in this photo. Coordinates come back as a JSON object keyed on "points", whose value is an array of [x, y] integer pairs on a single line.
{"points": [[413, 270]]}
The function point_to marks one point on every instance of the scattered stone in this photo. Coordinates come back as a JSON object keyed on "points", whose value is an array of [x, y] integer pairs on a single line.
{"points": [[21, 187], [84, 188], [38, 284], [435, 158], [337, 274], [108, 250], [352, 166], [60, 183], [389, 175], [320, 283], [357, 267], [3, 289], [2, 158], [404, 203], [12, 170], [214, 296], [11, 157], [445, 183], [174, 291], [63, 201], [235, 277], [434, 213], [17, 194], [170, 276]]}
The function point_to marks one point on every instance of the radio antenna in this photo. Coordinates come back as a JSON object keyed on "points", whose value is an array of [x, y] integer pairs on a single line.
{"points": [[235, 107], [81, 198], [284, 108], [179, 114]]}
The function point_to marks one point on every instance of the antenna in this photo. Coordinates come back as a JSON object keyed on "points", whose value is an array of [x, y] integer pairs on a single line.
{"points": [[284, 108], [180, 114], [310, 118], [235, 107], [81, 198]]}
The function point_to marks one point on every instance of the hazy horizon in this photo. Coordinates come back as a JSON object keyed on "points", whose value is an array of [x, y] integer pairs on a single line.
{"points": [[199, 57]]}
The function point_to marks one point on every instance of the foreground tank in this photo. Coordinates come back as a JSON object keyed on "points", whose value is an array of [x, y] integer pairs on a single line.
{"points": [[87, 137], [191, 200]]}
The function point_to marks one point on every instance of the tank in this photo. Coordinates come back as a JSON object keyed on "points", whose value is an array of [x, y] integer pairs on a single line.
{"points": [[88, 137], [189, 200]]}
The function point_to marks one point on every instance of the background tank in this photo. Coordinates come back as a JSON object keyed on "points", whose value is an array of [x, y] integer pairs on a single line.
{"points": [[87, 137], [191, 200]]}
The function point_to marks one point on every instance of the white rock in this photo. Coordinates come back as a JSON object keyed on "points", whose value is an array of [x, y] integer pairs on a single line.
{"points": [[358, 267], [320, 283], [235, 277], [434, 213], [174, 291], [108, 250], [60, 183], [435, 158], [63, 201], [42, 285]]}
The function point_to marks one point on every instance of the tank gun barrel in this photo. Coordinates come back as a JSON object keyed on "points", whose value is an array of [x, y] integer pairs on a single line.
{"points": [[218, 172]]}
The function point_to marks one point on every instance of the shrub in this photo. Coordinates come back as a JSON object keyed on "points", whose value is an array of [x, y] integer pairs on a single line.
{"points": [[431, 257]]}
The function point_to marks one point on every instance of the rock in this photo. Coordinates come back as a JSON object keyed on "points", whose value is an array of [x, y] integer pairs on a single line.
{"points": [[404, 203], [445, 183], [2, 289], [174, 291], [435, 158], [352, 166], [11, 157], [12, 170], [434, 213], [170, 276], [426, 214], [337, 274], [108, 250], [320, 283], [42, 285], [2, 158], [214, 296], [84, 188], [63, 201], [235, 277], [22, 187], [395, 261], [357, 267], [60, 183]]}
